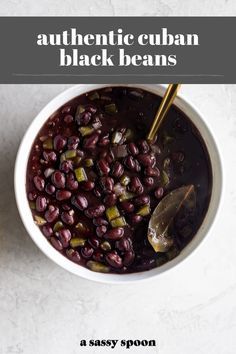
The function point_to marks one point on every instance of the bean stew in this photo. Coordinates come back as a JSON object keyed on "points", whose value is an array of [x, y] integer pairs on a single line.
{"points": [[93, 180]]}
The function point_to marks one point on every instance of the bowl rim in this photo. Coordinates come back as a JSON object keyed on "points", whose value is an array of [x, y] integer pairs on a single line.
{"points": [[35, 233]]}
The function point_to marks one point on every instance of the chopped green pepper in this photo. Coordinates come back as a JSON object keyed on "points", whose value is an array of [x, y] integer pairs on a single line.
{"points": [[58, 226], [80, 109], [39, 220], [164, 178], [94, 96], [118, 222], [111, 108], [105, 246], [63, 157], [32, 205], [126, 196], [144, 210], [48, 144], [88, 162], [80, 174], [77, 242], [70, 154], [97, 267], [112, 213], [125, 180], [87, 130], [81, 227]]}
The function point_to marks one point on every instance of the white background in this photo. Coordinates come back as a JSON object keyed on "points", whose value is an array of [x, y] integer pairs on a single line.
{"points": [[44, 309]]}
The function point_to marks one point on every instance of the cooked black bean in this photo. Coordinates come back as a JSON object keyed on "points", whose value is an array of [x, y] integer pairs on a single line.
{"points": [[114, 260], [95, 212], [41, 203], [52, 213], [68, 217], [59, 142], [114, 234], [58, 179], [80, 201], [101, 230], [39, 183], [63, 194]]}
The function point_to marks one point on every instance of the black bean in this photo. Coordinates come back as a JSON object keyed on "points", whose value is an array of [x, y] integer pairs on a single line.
{"points": [[50, 188], [107, 184], [68, 217], [129, 162], [143, 199], [56, 243], [47, 230], [135, 219], [100, 221], [98, 256], [152, 172], [73, 255], [64, 236], [144, 147], [128, 258], [58, 179], [95, 212], [66, 166], [148, 181], [159, 192], [87, 251], [136, 185], [124, 244], [101, 230], [117, 169], [103, 167], [87, 185], [39, 183], [59, 142], [41, 203], [114, 234], [127, 206], [94, 242], [114, 259], [51, 214], [63, 194], [104, 140], [83, 118], [110, 200], [32, 196], [49, 156], [80, 201], [147, 160], [71, 183], [91, 141], [73, 142], [133, 149]]}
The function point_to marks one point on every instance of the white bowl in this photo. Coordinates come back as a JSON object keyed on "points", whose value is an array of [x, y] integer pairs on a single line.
{"points": [[40, 240]]}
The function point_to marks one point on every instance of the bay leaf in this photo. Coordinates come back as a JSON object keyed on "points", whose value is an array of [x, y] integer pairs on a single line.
{"points": [[163, 216]]}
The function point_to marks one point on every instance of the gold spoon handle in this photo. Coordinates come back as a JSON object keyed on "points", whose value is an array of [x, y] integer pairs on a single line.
{"points": [[166, 102]]}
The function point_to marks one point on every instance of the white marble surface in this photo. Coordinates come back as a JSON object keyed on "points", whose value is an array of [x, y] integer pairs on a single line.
{"points": [[44, 309]]}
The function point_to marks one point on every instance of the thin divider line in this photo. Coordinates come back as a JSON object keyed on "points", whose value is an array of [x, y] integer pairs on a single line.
{"points": [[114, 75]]}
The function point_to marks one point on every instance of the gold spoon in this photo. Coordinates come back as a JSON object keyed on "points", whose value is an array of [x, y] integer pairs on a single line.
{"points": [[166, 102]]}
